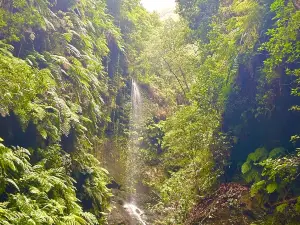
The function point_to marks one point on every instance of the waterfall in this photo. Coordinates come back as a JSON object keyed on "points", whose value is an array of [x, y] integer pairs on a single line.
{"points": [[135, 212], [136, 115], [135, 128]]}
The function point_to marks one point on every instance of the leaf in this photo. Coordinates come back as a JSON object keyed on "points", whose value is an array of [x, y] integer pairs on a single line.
{"points": [[259, 155], [297, 205], [104, 170], [34, 190], [8, 180], [257, 187], [246, 167], [271, 187], [276, 152], [281, 207], [44, 134]]}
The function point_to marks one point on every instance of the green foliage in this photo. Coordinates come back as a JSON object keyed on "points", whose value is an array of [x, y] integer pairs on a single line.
{"points": [[250, 169], [277, 181], [136, 25], [279, 172], [283, 45], [277, 152], [152, 140], [17, 17], [187, 160], [94, 179], [64, 64], [201, 55], [77, 83], [281, 207], [200, 15], [271, 187], [37, 194], [257, 187], [221, 46], [55, 70], [14, 73], [284, 52], [259, 155], [196, 178]]}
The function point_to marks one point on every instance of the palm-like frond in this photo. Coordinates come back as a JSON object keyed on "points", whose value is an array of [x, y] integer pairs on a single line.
{"points": [[41, 196]]}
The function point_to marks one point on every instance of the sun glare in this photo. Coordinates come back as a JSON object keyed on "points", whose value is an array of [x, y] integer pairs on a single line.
{"points": [[157, 5]]}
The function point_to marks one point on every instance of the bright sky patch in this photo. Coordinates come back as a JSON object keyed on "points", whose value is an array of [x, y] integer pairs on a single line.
{"points": [[158, 5]]}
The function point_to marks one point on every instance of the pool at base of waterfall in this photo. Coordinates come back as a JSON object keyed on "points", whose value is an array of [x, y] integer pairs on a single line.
{"points": [[136, 213]]}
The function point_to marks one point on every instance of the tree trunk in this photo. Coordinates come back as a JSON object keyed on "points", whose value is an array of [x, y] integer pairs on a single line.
{"points": [[296, 4]]}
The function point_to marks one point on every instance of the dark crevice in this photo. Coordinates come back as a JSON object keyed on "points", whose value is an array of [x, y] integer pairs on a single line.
{"points": [[13, 134], [68, 141]]}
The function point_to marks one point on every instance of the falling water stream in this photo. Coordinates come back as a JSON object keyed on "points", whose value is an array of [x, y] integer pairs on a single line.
{"points": [[136, 124]]}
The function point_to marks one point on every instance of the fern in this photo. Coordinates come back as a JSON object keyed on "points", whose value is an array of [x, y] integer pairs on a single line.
{"points": [[43, 196], [55, 79]]}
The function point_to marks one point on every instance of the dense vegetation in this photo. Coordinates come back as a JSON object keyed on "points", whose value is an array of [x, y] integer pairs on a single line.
{"points": [[62, 65], [220, 143], [229, 114]]}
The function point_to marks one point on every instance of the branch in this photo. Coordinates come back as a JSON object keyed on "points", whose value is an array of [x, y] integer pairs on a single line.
{"points": [[170, 69], [184, 78], [285, 201]]}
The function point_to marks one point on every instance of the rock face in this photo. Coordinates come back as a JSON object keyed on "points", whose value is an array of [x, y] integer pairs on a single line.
{"points": [[229, 205], [124, 213], [121, 216], [118, 216], [136, 214]]}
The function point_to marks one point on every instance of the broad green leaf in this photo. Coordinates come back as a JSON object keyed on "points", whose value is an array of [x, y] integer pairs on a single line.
{"points": [[257, 187], [271, 187], [246, 167]]}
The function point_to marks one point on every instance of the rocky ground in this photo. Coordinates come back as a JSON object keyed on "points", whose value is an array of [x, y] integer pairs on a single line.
{"points": [[121, 214], [231, 204]]}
